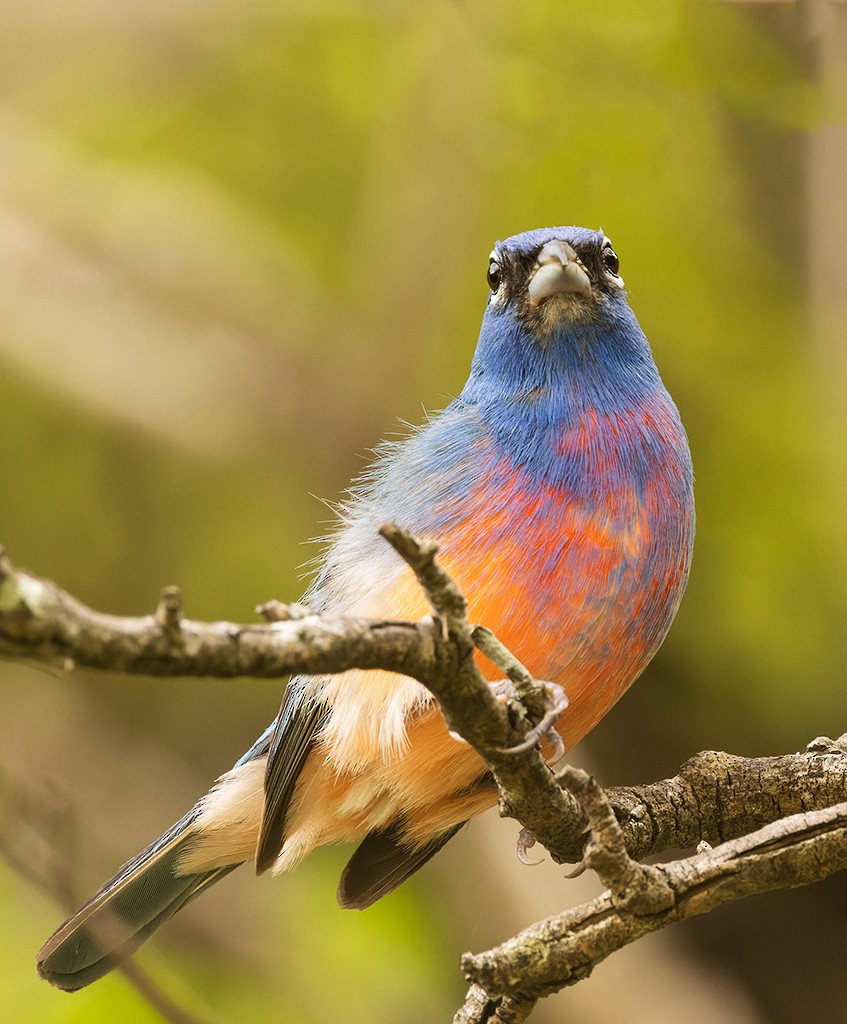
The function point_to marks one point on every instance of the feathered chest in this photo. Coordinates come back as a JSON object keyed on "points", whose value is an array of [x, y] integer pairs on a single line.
{"points": [[571, 538], [577, 544], [514, 496], [616, 478]]}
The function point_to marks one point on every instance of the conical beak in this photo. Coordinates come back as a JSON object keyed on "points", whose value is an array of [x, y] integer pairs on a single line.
{"points": [[557, 271]]}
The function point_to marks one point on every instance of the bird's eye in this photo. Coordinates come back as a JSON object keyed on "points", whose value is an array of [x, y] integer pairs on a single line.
{"points": [[495, 274], [610, 260]]}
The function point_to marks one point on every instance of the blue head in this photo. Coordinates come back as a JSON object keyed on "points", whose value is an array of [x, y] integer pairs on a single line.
{"points": [[560, 349], [557, 316]]}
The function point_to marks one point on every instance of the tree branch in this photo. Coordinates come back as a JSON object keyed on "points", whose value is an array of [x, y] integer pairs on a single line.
{"points": [[41, 622], [717, 796], [795, 802], [564, 949]]}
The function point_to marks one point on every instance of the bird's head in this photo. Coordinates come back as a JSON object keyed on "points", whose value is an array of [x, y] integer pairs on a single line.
{"points": [[557, 306], [555, 277]]}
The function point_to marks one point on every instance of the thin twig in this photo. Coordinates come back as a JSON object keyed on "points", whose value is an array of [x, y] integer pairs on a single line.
{"points": [[40, 621], [564, 949], [35, 840], [637, 888], [445, 597], [169, 610]]}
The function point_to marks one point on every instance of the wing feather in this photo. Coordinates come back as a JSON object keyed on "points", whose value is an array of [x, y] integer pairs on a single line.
{"points": [[300, 717], [382, 861]]}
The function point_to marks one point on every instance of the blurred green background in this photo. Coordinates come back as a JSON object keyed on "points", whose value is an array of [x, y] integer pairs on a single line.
{"points": [[239, 242]]}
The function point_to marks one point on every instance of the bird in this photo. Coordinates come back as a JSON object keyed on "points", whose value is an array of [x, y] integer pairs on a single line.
{"points": [[558, 486]]}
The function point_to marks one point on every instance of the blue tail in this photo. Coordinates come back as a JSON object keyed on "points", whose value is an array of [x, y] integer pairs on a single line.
{"points": [[125, 911]]}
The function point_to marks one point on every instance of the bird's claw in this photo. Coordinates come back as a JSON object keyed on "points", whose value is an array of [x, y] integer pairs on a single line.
{"points": [[557, 702], [580, 869], [526, 841]]}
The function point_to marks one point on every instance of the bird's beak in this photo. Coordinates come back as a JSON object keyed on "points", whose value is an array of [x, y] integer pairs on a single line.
{"points": [[557, 271]]}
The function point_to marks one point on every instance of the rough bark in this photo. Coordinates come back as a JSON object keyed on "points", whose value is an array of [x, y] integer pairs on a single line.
{"points": [[758, 823]]}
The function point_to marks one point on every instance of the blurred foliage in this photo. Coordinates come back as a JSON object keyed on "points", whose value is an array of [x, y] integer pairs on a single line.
{"points": [[238, 243]]}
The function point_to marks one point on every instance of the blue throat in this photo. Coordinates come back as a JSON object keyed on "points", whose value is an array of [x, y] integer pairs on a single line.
{"points": [[606, 363], [527, 392]]}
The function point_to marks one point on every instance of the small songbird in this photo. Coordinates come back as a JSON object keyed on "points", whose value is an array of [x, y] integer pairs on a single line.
{"points": [[558, 486]]}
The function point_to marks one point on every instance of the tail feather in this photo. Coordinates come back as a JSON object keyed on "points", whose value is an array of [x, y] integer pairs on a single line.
{"points": [[125, 911], [383, 861]]}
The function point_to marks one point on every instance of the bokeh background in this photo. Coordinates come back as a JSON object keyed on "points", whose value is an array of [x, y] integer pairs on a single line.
{"points": [[240, 241]]}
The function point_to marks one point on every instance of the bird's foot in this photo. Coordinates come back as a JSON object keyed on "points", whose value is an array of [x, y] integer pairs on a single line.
{"points": [[536, 704], [556, 702]]}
